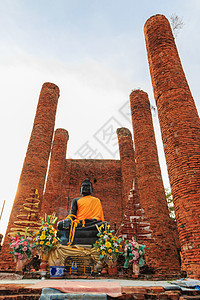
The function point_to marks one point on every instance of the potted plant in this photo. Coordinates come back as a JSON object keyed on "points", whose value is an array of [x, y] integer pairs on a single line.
{"points": [[133, 252], [45, 238], [21, 249], [108, 246]]}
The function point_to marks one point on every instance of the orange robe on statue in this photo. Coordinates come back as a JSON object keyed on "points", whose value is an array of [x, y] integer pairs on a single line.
{"points": [[89, 207]]}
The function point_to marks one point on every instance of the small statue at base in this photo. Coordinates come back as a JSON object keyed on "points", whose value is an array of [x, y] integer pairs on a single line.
{"points": [[79, 228]]}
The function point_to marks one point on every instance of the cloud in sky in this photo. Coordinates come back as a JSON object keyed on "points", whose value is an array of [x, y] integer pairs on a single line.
{"points": [[95, 52]]}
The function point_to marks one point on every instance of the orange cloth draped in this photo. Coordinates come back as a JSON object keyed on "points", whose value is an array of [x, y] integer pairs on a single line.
{"points": [[89, 207]]}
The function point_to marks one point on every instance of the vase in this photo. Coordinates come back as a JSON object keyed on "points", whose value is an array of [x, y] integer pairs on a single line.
{"points": [[136, 269], [57, 271], [44, 255], [112, 270], [20, 263]]}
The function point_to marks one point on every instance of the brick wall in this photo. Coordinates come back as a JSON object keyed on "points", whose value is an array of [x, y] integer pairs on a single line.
{"points": [[180, 127], [162, 254], [35, 164]]}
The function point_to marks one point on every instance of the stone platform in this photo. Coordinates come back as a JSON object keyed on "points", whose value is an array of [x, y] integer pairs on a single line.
{"points": [[100, 288]]}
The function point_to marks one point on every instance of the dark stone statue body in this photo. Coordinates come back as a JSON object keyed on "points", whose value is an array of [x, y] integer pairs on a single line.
{"points": [[87, 214]]}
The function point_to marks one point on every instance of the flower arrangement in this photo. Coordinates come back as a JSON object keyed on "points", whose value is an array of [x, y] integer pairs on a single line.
{"points": [[45, 237], [21, 246], [133, 252], [108, 246]]}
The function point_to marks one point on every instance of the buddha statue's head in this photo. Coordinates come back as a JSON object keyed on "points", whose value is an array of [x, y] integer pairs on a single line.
{"points": [[86, 188]]}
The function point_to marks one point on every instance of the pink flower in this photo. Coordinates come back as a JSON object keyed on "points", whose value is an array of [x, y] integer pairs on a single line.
{"points": [[16, 238], [135, 254], [24, 243], [20, 256], [29, 238], [24, 249]]}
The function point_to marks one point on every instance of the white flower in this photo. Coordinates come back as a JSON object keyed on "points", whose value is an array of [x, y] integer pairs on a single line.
{"points": [[115, 245], [44, 228], [37, 238], [105, 236], [102, 247], [49, 237]]}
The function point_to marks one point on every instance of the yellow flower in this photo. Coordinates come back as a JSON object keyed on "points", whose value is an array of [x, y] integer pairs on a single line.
{"points": [[110, 250], [37, 232], [116, 250], [110, 234], [50, 226], [51, 231], [101, 235], [43, 232], [41, 242], [108, 244], [103, 253], [42, 237], [48, 243], [108, 226], [97, 249], [37, 243], [54, 240], [104, 232]]}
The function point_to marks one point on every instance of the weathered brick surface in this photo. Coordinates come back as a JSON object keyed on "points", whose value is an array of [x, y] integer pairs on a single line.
{"points": [[162, 254], [180, 128], [127, 160], [134, 222], [56, 173], [35, 164]]}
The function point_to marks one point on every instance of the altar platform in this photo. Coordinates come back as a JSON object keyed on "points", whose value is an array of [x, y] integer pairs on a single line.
{"points": [[89, 289]]}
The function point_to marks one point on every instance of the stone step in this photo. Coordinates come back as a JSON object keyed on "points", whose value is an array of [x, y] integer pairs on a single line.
{"points": [[20, 297]]}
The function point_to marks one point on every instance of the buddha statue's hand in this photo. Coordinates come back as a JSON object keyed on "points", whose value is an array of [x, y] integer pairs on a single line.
{"points": [[65, 224], [60, 225]]}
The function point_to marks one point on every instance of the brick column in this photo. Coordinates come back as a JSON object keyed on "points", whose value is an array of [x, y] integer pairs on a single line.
{"points": [[180, 128], [127, 160], [35, 164], [52, 197], [162, 254]]}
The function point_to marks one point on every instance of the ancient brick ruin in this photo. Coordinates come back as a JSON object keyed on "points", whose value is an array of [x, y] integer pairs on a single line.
{"points": [[180, 128], [142, 212]]}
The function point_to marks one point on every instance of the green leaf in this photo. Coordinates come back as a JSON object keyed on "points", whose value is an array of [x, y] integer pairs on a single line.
{"points": [[27, 228], [54, 221], [48, 219]]}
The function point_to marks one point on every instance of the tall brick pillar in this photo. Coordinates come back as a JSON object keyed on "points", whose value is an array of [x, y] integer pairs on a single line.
{"points": [[35, 164], [162, 253], [53, 192], [180, 128], [127, 160]]}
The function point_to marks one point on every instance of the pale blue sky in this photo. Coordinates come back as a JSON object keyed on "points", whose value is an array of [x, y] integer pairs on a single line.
{"points": [[94, 50]]}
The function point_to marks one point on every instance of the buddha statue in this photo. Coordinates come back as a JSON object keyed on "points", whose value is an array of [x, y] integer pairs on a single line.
{"points": [[80, 226]]}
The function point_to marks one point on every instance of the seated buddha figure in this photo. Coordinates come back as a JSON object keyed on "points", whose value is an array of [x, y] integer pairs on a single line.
{"points": [[79, 228]]}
